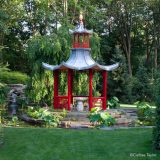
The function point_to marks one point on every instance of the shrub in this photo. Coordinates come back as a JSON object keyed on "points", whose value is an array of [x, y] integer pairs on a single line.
{"points": [[49, 118], [14, 120], [144, 84], [113, 102], [13, 77], [146, 114], [40, 90], [1, 132], [101, 118], [3, 94], [156, 130]]}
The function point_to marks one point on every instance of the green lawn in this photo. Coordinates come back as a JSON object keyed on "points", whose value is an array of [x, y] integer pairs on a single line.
{"points": [[66, 144], [132, 106]]}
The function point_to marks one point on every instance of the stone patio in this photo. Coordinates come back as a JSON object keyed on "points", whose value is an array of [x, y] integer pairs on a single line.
{"points": [[124, 118]]}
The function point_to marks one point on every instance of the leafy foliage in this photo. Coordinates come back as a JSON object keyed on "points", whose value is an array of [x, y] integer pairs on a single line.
{"points": [[1, 132], [101, 118], [156, 130], [41, 90], [50, 119], [113, 103], [13, 77], [143, 86], [3, 87], [3, 94], [146, 114], [14, 120]]}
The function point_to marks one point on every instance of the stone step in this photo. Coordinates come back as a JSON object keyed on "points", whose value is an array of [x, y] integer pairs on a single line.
{"points": [[77, 116], [76, 119], [123, 121], [76, 124]]}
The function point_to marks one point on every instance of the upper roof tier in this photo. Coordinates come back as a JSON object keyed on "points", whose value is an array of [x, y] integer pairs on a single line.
{"points": [[80, 28]]}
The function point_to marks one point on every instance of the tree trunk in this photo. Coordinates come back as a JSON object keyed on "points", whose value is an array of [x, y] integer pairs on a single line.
{"points": [[126, 42], [129, 63], [147, 49], [65, 8], [155, 58]]}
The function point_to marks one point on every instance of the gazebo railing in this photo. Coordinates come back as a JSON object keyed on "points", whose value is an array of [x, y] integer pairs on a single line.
{"points": [[62, 102], [97, 102]]}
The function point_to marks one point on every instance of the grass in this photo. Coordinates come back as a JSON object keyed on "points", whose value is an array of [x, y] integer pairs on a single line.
{"points": [[66, 144], [131, 106], [128, 106]]}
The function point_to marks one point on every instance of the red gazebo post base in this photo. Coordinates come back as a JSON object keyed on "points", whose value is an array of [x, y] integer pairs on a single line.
{"points": [[90, 88], [69, 88], [104, 104], [55, 102]]}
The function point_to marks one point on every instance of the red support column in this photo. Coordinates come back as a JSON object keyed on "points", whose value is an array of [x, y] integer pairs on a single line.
{"points": [[55, 103], [90, 88], [88, 41], [74, 41], [104, 74], [83, 41], [72, 75], [69, 89], [78, 40]]}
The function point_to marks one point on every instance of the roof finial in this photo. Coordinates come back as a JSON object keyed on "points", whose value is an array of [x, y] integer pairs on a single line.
{"points": [[81, 18]]}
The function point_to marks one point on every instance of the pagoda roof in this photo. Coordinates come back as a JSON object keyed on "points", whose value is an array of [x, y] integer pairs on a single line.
{"points": [[80, 59]]}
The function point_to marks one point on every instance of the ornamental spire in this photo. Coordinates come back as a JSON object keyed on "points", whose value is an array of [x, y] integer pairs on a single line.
{"points": [[80, 27], [81, 19]]}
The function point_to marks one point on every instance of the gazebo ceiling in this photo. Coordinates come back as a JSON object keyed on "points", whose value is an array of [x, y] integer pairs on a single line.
{"points": [[80, 59]]}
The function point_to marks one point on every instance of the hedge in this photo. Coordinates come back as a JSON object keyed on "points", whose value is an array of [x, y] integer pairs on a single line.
{"points": [[13, 77]]}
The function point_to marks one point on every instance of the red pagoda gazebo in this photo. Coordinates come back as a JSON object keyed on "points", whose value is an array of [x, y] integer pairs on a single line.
{"points": [[80, 59]]}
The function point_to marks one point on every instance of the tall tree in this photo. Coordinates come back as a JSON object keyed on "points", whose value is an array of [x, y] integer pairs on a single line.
{"points": [[155, 6]]}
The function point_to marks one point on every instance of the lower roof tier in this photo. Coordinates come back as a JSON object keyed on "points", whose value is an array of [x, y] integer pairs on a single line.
{"points": [[80, 59]]}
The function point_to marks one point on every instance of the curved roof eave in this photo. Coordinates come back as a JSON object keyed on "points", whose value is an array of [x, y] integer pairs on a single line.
{"points": [[48, 66], [109, 67], [51, 67]]}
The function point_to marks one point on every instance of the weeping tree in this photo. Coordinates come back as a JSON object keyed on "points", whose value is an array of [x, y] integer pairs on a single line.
{"points": [[52, 49]]}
